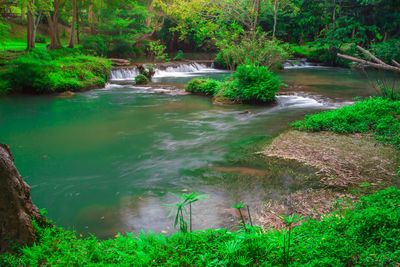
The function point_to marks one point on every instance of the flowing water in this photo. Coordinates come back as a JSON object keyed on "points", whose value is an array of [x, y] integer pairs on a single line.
{"points": [[107, 160]]}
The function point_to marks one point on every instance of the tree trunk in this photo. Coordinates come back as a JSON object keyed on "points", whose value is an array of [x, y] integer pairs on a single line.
{"points": [[90, 17], [29, 30], [16, 207], [52, 19], [73, 26], [275, 18], [78, 26], [35, 26]]}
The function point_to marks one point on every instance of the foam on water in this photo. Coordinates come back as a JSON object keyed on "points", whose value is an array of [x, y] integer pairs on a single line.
{"points": [[123, 74], [297, 101], [302, 63]]}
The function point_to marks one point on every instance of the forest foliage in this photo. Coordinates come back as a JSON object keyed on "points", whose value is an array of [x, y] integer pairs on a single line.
{"points": [[248, 84]]}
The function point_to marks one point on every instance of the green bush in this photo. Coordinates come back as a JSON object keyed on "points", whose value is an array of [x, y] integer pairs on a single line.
{"points": [[248, 84], [375, 115], [95, 45], [42, 74], [120, 47], [202, 86], [141, 79], [253, 48], [179, 56], [40, 39], [221, 62], [388, 50], [363, 235], [255, 84]]}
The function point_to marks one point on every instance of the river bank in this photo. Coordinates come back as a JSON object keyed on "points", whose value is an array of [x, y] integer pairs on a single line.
{"points": [[348, 167]]}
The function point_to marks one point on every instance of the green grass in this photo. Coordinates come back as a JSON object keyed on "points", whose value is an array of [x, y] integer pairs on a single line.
{"points": [[379, 116], [53, 71], [364, 235], [18, 46]]}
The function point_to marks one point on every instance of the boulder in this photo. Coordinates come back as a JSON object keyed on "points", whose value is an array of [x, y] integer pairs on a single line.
{"points": [[16, 207]]}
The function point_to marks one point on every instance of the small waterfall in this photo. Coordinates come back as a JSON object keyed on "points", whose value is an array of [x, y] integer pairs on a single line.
{"points": [[169, 70], [300, 63], [180, 70], [123, 74]]}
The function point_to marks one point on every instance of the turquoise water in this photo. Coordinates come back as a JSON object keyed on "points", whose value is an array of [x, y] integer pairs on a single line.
{"points": [[107, 160]]}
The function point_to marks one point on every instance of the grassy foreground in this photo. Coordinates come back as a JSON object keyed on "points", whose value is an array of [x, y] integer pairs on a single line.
{"points": [[365, 234], [53, 71]]}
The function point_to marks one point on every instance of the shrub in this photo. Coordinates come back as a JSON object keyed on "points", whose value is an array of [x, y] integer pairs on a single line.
{"points": [[255, 84], [179, 55], [221, 62], [388, 50], [255, 49], [202, 86], [42, 74], [376, 115], [95, 45], [120, 47], [248, 84], [157, 50], [40, 39], [141, 79]]}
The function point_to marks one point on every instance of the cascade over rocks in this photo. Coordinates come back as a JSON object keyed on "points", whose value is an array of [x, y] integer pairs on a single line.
{"points": [[16, 207]]}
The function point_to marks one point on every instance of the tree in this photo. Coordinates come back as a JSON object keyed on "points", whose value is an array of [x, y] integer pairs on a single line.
{"points": [[52, 15], [73, 24], [276, 6], [4, 27], [34, 15]]}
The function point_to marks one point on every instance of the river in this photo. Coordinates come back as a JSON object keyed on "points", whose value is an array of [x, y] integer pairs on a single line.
{"points": [[108, 160]]}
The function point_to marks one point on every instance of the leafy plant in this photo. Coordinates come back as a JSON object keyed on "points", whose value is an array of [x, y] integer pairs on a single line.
{"points": [[252, 48], [255, 84], [288, 221], [239, 207], [40, 39], [141, 79], [179, 56], [95, 45], [181, 210], [202, 86], [157, 50]]}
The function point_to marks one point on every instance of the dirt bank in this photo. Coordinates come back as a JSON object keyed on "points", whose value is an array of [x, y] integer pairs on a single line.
{"points": [[348, 166]]}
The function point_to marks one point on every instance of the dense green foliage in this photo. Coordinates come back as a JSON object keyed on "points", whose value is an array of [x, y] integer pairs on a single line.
{"points": [[379, 116], [366, 235], [253, 48], [58, 70], [248, 84], [387, 50], [255, 84], [141, 79], [203, 86]]}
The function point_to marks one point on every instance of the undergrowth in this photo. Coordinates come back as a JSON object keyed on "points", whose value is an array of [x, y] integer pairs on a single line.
{"points": [[41, 71], [380, 116], [248, 84], [364, 235]]}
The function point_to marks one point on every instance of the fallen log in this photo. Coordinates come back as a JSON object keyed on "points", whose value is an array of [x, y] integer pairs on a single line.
{"points": [[375, 63]]}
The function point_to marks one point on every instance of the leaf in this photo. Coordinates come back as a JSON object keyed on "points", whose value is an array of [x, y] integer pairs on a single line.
{"points": [[239, 206]]}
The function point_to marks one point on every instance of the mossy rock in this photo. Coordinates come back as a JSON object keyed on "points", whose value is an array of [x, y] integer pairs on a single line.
{"points": [[141, 79]]}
